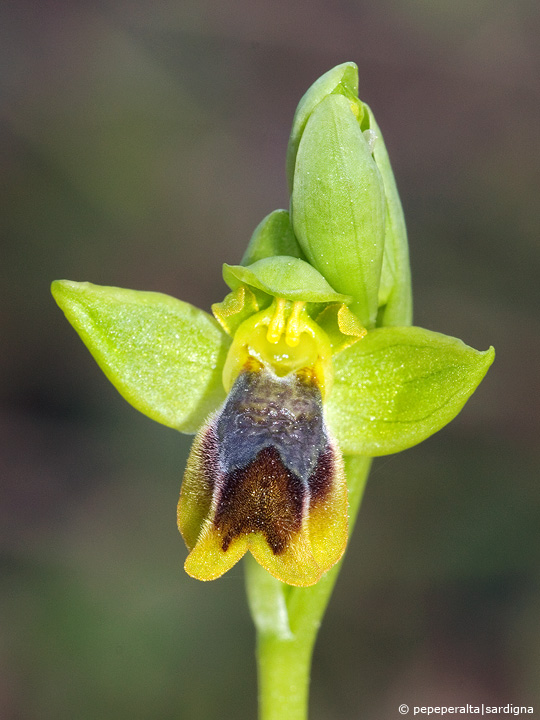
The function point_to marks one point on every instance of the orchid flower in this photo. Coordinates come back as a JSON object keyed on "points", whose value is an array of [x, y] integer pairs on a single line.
{"points": [[310, 357]]}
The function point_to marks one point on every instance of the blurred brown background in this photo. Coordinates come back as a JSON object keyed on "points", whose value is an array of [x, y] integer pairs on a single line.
{"points": [[141, 143]]}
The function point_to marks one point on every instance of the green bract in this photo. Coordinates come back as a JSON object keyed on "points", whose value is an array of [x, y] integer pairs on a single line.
{"points": [[395, 292]]}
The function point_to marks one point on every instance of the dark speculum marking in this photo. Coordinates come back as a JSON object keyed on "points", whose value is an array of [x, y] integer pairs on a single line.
{"points": [[262, 497], [320, 481], [274, 456]]}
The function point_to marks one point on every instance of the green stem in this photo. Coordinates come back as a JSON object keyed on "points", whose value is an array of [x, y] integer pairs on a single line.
{"points": [[288, 619]]}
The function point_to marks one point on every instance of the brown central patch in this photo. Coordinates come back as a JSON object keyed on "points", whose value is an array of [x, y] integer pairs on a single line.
{"points": [[262, 497]]}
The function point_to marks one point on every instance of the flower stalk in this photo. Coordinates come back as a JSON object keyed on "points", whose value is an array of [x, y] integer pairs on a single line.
{"points": [[287, 621]]}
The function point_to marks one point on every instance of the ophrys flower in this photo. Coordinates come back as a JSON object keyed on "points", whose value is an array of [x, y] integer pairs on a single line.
{"points": [[310, 356]]}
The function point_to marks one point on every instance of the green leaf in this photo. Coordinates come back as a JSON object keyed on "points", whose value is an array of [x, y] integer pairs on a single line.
{"points": [[272, 236], [398, 386], [338, 204], [284, 277], [395, 292], [342, 79], [164, 356]]}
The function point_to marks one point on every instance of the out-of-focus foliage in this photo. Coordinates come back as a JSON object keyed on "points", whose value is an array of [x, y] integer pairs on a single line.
{"points": [[136, 139]]}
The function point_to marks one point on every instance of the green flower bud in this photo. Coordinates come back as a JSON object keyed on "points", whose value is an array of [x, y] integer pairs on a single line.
{"points": [[272, 236], [338, 204], [343, 80], [359, 259]]}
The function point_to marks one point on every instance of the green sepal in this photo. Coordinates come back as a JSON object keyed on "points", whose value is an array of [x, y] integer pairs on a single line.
{"points": [[338, 204], [342, 79], [284, 277], [398, 386], [395, 292], [235, 308], [272, 236], [164, 356]]}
